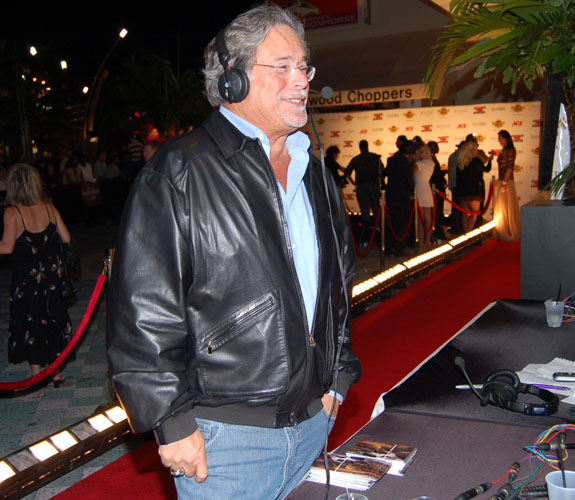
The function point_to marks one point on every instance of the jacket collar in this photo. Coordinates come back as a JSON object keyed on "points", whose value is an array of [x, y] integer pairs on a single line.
{"points": [[227, 137]]}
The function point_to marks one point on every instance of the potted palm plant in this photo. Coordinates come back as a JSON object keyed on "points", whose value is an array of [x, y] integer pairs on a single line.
{"points": [[517, 41]]}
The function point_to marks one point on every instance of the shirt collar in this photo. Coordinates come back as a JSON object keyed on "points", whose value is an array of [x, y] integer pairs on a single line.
{"points": [[297, 143]]}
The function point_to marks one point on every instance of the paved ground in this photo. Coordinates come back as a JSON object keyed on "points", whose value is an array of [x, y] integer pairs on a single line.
{"points": [[30, 415]]}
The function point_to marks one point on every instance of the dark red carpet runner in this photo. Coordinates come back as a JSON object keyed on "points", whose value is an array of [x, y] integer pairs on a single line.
{"points": [[391, 340]]}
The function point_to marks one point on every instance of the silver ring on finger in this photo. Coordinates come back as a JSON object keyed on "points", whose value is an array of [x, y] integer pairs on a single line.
{"points": [[177, 473]]}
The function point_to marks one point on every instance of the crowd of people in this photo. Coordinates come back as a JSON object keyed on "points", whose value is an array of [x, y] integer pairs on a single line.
{"points": [[413, 171], [37, 201]]}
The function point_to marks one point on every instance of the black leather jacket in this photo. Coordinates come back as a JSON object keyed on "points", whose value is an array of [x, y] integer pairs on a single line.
{"points": [[205, 313]]}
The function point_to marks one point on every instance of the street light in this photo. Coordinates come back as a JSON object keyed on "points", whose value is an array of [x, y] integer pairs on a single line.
{"points": [[32, 50], [94, 90]]}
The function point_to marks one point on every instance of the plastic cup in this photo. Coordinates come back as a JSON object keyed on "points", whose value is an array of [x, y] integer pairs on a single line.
{"points": [[351, 496], [554, 312], [555, 488]]}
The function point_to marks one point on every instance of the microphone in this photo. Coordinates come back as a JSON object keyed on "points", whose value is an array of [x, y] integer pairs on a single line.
{"points": [[473, 492], [326, 92], [460, 362]]}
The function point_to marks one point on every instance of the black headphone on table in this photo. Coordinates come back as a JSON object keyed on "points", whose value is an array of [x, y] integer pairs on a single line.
{"points": [[502, 387], [234, 83]]}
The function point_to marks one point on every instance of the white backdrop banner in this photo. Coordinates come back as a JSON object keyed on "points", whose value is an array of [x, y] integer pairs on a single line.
{"points": [[448, 126]]}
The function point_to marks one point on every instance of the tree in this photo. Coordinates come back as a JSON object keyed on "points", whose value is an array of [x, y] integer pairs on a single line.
{"points": [[516, 40], [146, 86]]}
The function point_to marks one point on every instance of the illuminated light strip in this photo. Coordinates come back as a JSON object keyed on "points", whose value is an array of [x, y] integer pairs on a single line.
{"points": [[5, 471], [388, 274], [63, 440], [487, 227], [43, 450], [116, 414], [100, 422], [457, 241], [427, 256]]}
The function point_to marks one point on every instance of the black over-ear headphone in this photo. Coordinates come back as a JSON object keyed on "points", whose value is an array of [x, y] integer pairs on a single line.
{"points": [[233, 84], [502, 388]]}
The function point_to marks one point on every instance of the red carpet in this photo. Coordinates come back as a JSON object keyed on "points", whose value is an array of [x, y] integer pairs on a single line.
{"points": [[390, 340]]}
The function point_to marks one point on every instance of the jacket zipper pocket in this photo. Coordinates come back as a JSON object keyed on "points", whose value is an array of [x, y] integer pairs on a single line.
{"points": [[219, 338]]}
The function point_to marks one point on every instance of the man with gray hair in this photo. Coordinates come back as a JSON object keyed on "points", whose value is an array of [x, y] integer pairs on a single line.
{"points": [[229, 330]]}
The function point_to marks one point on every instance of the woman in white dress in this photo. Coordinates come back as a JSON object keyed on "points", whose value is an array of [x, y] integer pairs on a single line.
{"points": [[423, 171]]}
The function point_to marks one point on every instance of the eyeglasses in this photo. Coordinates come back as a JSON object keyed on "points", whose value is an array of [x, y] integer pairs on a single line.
{"points": [[285, 71]]}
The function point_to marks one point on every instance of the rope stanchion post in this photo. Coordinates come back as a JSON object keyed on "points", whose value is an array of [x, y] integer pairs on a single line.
{"points": [[382, 232], [109, 394], [416, 228]]}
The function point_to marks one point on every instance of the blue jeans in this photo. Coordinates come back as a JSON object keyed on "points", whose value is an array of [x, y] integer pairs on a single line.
{"points": [[255, 463]]}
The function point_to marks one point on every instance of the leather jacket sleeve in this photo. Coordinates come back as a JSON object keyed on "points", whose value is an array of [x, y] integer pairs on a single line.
{"points": [[147, 327]]}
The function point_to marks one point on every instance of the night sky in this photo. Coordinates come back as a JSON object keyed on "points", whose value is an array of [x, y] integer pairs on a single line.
{"points": [[179, 34]]}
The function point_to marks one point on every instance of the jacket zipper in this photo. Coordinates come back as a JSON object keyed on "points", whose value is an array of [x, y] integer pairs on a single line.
{"points": [[310, 344], [215, 341]]}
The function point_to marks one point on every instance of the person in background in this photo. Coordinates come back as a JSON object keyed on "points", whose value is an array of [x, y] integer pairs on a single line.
{"points": [[368, 169], [331, 155], [232, 279], [470, 186], [506, 212], [39, 325], [101, 165], [439, 183], [398, 196], [422, 172], [150, 147]]}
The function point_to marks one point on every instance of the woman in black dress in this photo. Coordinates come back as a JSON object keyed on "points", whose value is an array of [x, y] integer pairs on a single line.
{"points": [[39, 327], [470, 186]]}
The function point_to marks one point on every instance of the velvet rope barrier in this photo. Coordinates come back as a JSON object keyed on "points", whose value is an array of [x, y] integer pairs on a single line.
{"points": [[393, 233], [31, 381], [371, 238], [462, 210]]}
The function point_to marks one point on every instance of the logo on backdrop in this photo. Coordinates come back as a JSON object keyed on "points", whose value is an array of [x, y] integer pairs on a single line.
{"points": [[426, 128], [378, 116], [409, 115], [517, 108], [517, 123], [393, 129], [536, 123], [334, 133], [347, 144], [443, 111], [479, 110], [348, 118], [498, 123]]}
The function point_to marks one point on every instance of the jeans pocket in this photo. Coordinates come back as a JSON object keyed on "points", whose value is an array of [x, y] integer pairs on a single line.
{"points": [[209, 429]]}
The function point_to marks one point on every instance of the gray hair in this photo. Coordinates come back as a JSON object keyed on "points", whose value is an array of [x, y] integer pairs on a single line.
{"points": [[243, 36]]}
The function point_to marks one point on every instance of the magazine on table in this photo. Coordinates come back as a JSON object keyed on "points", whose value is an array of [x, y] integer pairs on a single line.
{"points": [[397, 456], [347, 472]]}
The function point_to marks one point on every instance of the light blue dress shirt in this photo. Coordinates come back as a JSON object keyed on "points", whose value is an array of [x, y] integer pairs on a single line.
{"points": [[297, 208], [298, 212]]}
